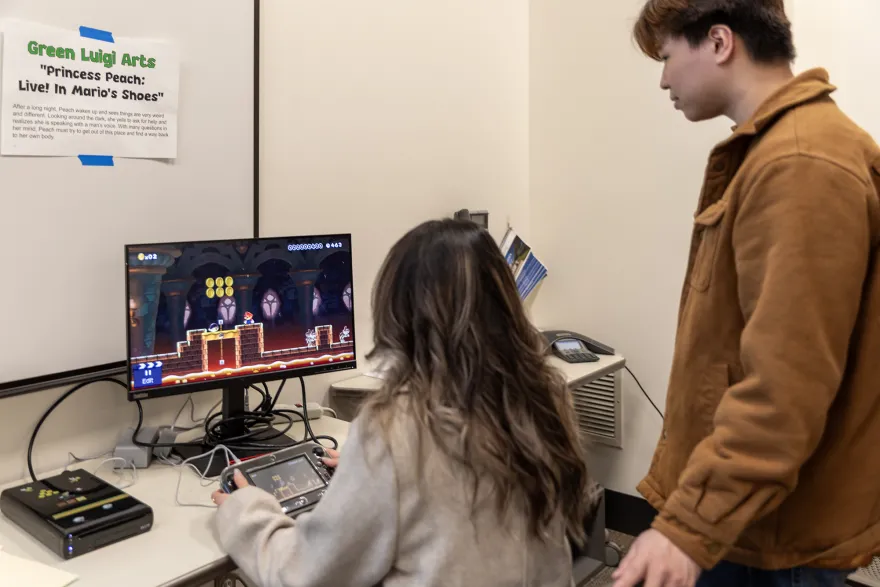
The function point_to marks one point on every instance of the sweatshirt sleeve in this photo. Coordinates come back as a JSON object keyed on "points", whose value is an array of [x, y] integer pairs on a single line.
{"points": [[350, 538], [802, 241]]}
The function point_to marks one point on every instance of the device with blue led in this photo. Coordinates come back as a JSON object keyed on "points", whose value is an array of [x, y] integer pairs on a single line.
{"points": [[75, 512], [201, 316]]}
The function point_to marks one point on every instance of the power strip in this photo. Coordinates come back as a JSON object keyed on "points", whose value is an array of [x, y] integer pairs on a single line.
{"points": [[132, 454], [314, 411]]}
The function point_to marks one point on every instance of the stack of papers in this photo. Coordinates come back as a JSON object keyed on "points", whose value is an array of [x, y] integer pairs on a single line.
{"points": [[527, 269], [20, 571]]}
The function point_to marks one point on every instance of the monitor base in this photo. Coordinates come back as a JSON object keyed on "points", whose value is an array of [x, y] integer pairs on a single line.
{"points": [[219, 463], [233, 427]]}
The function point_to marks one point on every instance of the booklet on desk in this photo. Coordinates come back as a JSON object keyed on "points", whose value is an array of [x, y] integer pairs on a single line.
{"points": [[527, 269], [21, 571]]}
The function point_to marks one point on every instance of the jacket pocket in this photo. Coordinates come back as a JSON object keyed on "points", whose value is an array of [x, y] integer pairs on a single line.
{"points": [[716, 380], [707, 230], [658, 471]]}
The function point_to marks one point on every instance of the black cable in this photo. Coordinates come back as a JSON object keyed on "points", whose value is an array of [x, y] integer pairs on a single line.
{"points": [[262, 416], [214, 437], [255, 422], [308, 426], [64, 396], [260, 425], [263, 395], [266, 395], [648, 397], [305, 407], [213, 431], [277, 393]]}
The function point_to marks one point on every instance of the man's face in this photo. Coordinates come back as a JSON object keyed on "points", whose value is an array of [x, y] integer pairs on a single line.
{"points": [[693, 78]]}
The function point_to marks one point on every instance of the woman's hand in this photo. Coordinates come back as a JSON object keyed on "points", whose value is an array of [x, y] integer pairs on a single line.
{"points": [[332, 458], [220, 496]]}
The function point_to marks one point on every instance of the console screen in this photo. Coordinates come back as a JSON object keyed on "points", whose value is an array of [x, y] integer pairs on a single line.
{"points": [[288, 479]]}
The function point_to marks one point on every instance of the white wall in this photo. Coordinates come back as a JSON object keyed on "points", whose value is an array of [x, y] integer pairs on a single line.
{"points": [[846, 44], [379, 115], [542, 112], [86, 424], [615, 178], [375, 116]]}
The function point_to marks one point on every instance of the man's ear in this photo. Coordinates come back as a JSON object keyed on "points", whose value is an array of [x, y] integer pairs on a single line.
{"points": [[722, 40]]}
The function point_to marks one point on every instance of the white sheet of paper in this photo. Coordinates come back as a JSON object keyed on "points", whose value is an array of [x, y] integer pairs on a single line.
{"points": [[19, 571], [68, 95]]}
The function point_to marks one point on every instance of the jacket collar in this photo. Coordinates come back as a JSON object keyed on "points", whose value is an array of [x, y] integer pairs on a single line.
{"points": [[803, 88]]}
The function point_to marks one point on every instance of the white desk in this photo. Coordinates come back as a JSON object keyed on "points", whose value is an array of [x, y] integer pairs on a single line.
{"points": [[575, 373], [180, 550], [580, 373]]}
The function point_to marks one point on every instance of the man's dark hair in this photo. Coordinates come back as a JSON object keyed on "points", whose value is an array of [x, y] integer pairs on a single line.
{"points": [[761, 24]]}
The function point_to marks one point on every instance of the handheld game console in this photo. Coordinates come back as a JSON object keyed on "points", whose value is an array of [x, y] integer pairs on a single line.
{"points": [[296, 476]]}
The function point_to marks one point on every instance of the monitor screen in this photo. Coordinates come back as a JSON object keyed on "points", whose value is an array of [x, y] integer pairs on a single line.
{"points": [[204, 313]]}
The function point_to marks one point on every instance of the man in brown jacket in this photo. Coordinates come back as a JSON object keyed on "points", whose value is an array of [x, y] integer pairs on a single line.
{"points": [[767, 469]]}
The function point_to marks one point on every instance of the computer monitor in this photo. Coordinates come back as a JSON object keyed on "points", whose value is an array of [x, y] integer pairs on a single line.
{"points": [[233, 313]]}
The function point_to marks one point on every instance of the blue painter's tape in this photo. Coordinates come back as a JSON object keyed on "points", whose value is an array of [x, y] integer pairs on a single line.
{"points": [[96, 34], [97, 160]]}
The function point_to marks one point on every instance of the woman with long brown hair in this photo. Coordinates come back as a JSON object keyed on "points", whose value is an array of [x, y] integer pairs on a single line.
{"points": [[464, 469]]}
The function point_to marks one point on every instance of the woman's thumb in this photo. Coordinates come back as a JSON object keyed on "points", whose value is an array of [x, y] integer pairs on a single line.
{"points": [[240, 481]]}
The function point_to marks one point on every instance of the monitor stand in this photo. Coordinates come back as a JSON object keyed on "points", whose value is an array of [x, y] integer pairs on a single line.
{"points": [[234, 402]]}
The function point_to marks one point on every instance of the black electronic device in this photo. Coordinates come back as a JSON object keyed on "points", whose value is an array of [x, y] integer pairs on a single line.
{"points": [[478, 217], [75, 512], [234, 313], [296, 476], [572, 347]]}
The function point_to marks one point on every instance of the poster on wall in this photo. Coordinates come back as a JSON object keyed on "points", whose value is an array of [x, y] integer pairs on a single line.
{"points": [[85, 92]]}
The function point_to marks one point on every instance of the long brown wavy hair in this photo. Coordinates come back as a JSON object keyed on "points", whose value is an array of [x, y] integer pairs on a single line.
{"points": [[450, 324]]}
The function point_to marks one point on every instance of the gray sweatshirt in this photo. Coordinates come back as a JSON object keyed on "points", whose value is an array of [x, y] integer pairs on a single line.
{"points": [[396, 514]]}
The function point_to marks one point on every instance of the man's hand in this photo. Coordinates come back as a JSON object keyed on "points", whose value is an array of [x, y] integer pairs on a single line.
{"points": [[220, 496], [654, 559]]}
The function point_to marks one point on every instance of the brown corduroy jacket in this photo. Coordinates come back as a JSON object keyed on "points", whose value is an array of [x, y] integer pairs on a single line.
{"points": [[770, 452]]}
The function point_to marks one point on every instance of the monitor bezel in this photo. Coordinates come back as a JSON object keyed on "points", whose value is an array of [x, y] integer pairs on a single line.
{"points": [[245, 380]]}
